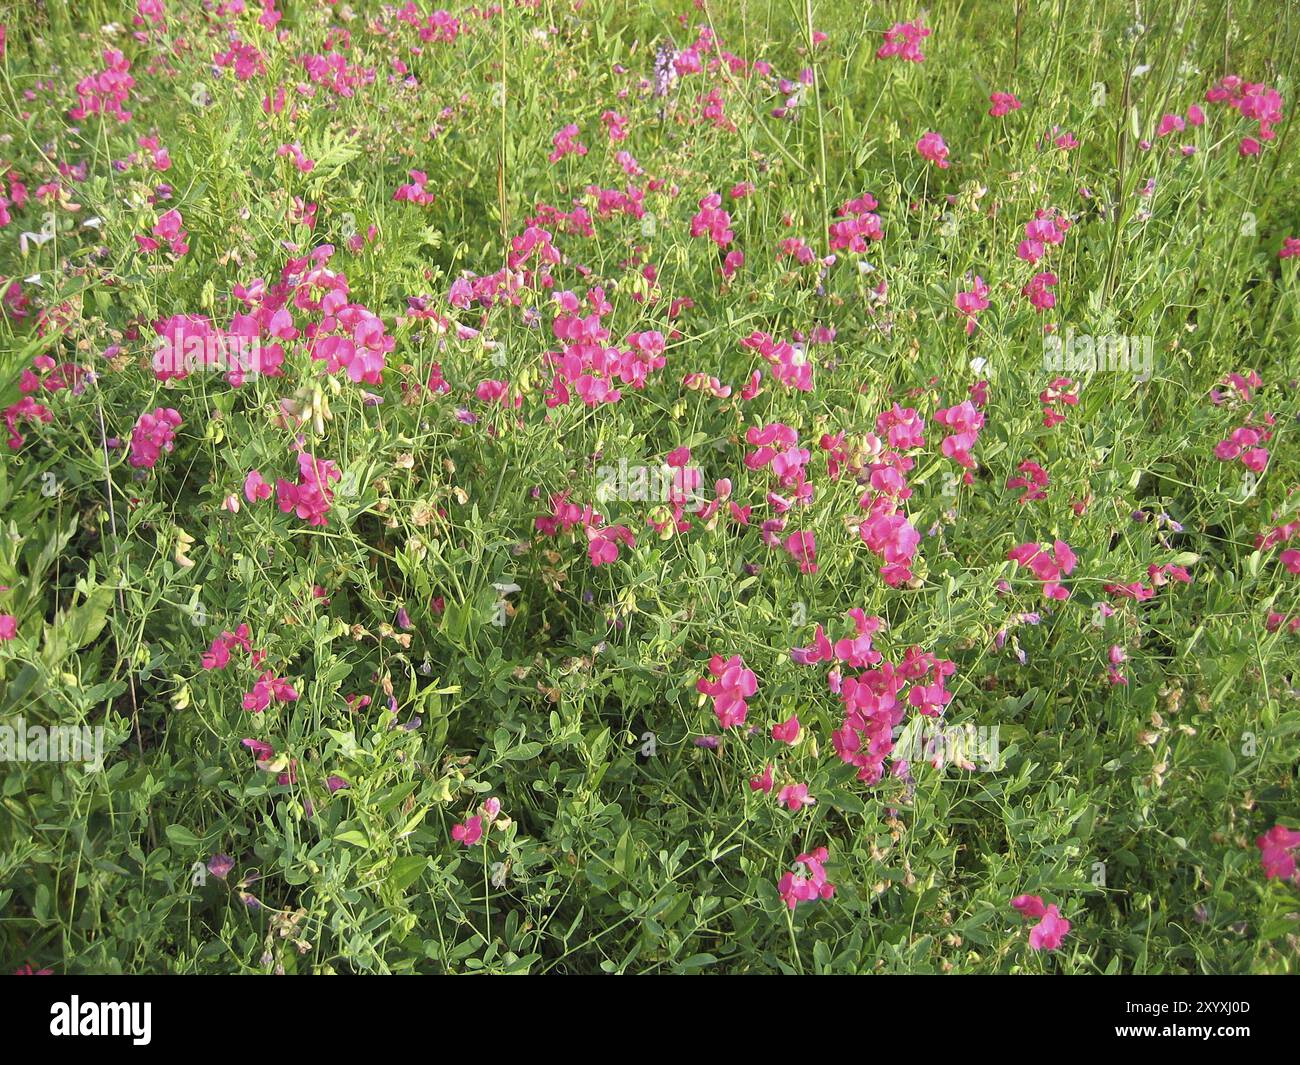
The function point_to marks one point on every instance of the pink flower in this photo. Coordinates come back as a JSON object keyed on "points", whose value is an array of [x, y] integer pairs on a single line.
{"points": [[470, 832], [218, 655], [565, 143], [903, 39], [603, 544], [803, 549], [312, 496], [762, 783], [8, 627], [971, 301], [414, 191], [734, 684], [268, 688], [1038, 291], [1047, 566], [1003, 103], [809, 882], [153, 435], [931, 146], [1051, 928], [795, 797], [713, 221], [255, 488], [787, 731], [1275, 856], [1034, 481]]}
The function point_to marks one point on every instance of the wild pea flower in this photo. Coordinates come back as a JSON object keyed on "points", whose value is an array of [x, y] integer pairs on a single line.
{"points": [[8, 627], [795, 797], [1290, 248], [1134, 590], [971, 301], [802, 547], [789, 363], [858, 225], [220, 865], [1033, 480], [353, 337], [615, 124], [1048, 228], [1051, 929], [965, 421], [269, 687], [902, 427], [262, 752], [414, 191], [1159, 575], [1275, 856], [1170, 124], [891, 536], [566, 142], [300, 160], [931, 146], [312, 496], [1279, 535], [1117, 656], [1038, 291], [809, 882], [469, 832], [733, 684], [763, 782], [777, 446], [255, 488], [1059, 393], [1242, 443], [154, 434], [821, 650], [603, 544], [713, 221], [1048, 565], [857, 650], [1257, 101], [217, 655], [903, 39], [787, 731], [168, 228], [1003, 103], [105, 93]]}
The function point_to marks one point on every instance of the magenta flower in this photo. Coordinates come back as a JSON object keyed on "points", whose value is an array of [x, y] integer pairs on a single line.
{"points": [[787, 731], [809, 882], [1051, 929], [1275, 856], [733, 684], [931, 146], [470, 832]]}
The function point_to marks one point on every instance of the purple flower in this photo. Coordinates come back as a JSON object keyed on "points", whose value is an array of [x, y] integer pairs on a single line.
{"points": [[219, 865]]}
